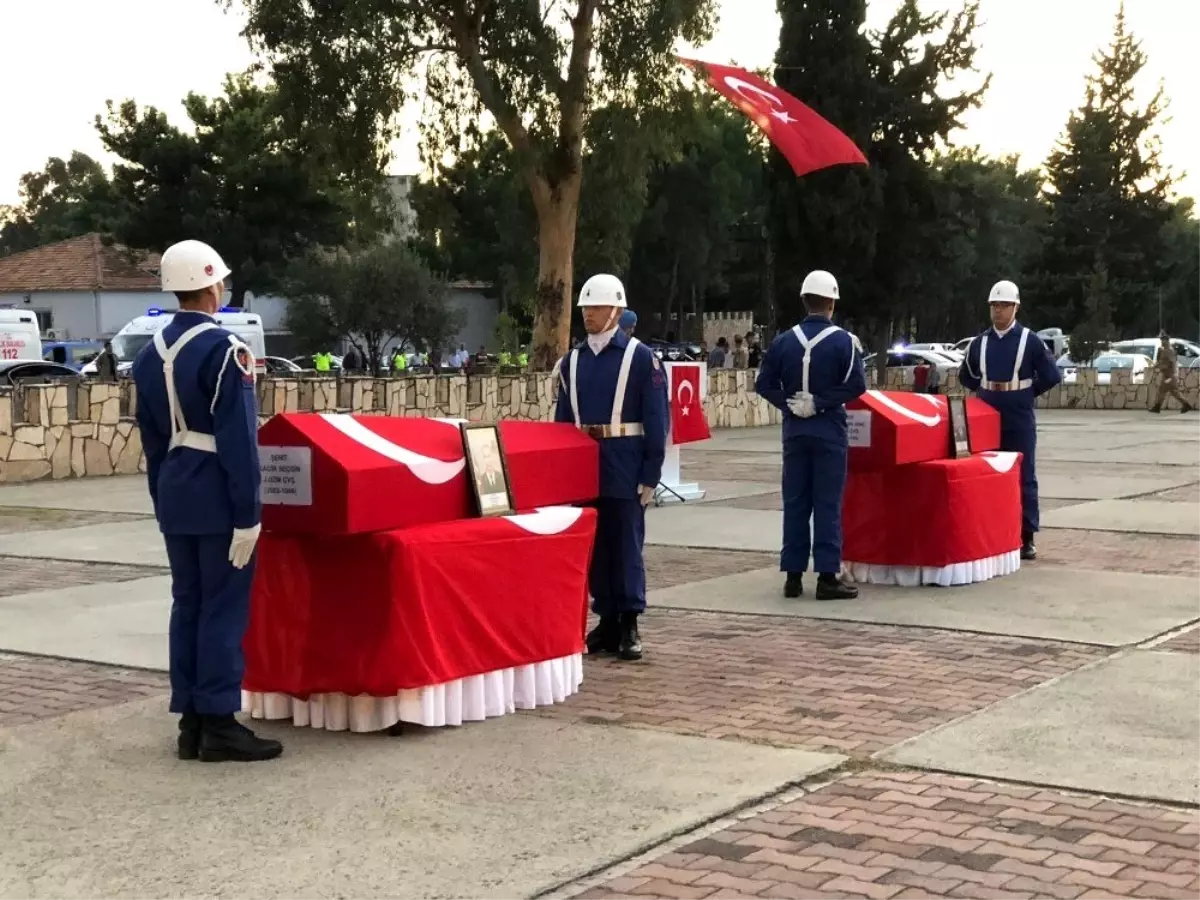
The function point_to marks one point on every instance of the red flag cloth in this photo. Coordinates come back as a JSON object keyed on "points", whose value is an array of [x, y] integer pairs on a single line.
{"points": [[807, 141], [687, 411]]}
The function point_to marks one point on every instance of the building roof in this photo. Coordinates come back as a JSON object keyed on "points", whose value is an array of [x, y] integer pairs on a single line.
{"points": [[78, 264]]}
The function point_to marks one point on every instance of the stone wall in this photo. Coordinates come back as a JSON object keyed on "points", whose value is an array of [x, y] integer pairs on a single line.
{"points": [[65, 431]]}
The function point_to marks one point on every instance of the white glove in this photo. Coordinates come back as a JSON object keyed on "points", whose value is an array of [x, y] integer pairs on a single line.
{"points": [[646, 494], [801, 405], [241, 548]]}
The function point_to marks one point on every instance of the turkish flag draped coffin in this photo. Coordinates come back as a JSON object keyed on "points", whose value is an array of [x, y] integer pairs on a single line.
{"points": [[935, 513], [328, 473], [380, 613], [807, 141], [894, 428], [688, 423]]}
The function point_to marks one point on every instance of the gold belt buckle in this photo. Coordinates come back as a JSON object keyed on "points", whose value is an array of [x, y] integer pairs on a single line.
{"points": [[595, 432]]}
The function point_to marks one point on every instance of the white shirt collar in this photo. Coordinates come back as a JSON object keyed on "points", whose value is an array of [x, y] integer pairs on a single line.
{"points": [[599, 341], [1011, 326]]}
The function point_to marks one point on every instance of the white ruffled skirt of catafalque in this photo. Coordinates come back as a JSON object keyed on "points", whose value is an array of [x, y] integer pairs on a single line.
{"points": [[942, 576], [470, 699]]}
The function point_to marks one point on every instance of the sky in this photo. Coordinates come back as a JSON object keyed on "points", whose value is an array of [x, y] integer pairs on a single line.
{"points": [[64, 58]]}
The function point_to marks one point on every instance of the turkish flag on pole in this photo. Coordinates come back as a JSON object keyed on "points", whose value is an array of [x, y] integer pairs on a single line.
{"points": [[808, 141], [687, 411]]}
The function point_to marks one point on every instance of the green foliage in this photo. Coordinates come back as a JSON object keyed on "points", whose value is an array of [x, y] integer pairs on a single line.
{"points": [[369, 297], [538, 70], [65, 199], [1094, 331], [508, 333], [1108, 199], [887, 91], [241, 183]]}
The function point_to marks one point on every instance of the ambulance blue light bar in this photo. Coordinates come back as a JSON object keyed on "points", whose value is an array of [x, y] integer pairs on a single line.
{"points": [[229, 309], [154, 311]]}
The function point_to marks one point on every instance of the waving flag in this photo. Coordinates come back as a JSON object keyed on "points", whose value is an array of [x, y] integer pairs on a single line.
{"points": [[807, 141]]}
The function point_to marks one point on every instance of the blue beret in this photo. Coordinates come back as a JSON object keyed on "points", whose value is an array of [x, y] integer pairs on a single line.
{"points": [[628, 319]]}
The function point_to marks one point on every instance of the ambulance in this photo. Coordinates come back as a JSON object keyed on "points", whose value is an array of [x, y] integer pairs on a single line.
{"points": [[129, 341], [19, 335]]}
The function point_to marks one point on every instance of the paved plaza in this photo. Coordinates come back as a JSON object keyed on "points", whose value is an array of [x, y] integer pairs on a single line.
{"points": [[1033, 736]]}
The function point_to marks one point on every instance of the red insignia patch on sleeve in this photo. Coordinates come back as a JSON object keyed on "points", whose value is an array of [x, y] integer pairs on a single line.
{"points": [[246, 363]]}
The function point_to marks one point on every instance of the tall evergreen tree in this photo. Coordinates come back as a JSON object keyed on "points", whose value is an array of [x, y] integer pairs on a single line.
{"points": [[1108, 197]]}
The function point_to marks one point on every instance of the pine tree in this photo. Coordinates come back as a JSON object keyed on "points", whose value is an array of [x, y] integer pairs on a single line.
{"points": [[1094, 332], [1108, 199]]}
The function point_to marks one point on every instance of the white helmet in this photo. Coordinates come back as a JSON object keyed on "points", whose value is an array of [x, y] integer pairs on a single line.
{"points": [[821, 283], [603, 290], [191, 266], [1004, 292]]}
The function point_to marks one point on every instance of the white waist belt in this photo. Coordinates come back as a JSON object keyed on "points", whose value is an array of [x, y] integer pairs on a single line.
{"points": [[1001, 386], [625, 429], [194, 440]]}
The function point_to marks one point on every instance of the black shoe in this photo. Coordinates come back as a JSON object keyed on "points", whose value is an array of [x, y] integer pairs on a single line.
{"points": [[1154, 409], [225, 739], [794, 586], [1186, 408], [1028, 551], [830, 588], [189, 736], [631, 642], [605, 637]]}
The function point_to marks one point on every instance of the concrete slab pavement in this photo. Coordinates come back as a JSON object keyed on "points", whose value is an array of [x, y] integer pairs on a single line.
{"points": [[1047, 603], [137, 543], [1084, 485], [685, 525], [93, 805], [120, 624], [1132, 516], [1129, 725], [127, 494]]}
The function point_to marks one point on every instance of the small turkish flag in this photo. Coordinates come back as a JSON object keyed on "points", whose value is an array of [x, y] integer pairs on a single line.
{"points": [[807, 141], [687, 411]]}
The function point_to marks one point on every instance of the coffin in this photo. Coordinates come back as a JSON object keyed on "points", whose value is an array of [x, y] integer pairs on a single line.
{"points": [[335, 474], [895, 428], [405, 610]]}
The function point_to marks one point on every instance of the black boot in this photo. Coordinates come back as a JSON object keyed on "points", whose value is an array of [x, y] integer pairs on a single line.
{"points": [[225, 739], [1155, 409], [1186, 408], [830, 588], [631, 642], [794, 586], [189, 736], [1028, 551], [605, 637]]}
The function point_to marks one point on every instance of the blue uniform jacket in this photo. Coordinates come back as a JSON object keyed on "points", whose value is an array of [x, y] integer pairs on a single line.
{"points": [[625, 462], [194, 492], [836, 376], [1036, 371]]}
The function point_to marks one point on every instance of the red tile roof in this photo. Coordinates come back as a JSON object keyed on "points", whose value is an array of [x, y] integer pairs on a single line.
{"points": [[78, 264]]}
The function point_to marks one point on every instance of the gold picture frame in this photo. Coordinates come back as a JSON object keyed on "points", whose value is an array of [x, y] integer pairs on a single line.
{"points": [[960, 426], [487, 469]]}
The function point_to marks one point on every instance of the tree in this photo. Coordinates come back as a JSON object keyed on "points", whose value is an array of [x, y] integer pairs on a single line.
{"points": [[369, 297], [887, 92], [67, 198], [1107, 195], [1178, 297], [239, 183], [537, 68], [1094, 331]]}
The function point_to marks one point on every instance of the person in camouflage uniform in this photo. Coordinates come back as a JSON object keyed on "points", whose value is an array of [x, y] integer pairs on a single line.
{"points": [[1167, 366]]}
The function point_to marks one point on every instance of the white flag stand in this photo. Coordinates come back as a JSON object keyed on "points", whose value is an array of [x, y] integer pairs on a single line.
{"points": [[671, 487]]}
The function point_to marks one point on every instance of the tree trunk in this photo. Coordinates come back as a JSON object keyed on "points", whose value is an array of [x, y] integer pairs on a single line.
{"points": [[237, 294], [558, 212]]}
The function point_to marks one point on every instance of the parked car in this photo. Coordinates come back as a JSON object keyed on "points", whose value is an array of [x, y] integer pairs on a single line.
{"points": [[1187, 352], [670, 352], [277, 365], [908, 359], [24, 371], [943, 349], [306, 364], [1105, 364]]}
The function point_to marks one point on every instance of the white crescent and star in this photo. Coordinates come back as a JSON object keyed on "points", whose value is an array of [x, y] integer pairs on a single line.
{"points": [[685, 404], [740, 87]]}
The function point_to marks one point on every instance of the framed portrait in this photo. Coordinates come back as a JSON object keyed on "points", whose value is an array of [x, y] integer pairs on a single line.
{"points": [[487, 469], [960, 432]]}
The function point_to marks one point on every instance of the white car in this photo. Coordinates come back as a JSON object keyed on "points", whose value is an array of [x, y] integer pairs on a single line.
{"points": [[942, 349], [1186, 352], [1105, 364]]}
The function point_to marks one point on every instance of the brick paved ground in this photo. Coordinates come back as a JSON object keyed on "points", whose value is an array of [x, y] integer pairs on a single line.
{"points": [[807, 683], [907, 834], [16, 519], [670, 566], [1186, 642], [34, 688], [19, 575], [1119, 552]]}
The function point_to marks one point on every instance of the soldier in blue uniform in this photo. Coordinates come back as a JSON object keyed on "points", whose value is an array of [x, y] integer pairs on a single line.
{"points": [[628, 322], [1009, 367], [810, 372], [613, 387], [197, 417]]}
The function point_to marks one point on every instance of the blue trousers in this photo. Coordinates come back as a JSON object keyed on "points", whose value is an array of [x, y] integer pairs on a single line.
{"points": [[617, 579], [814, 477], [1024, 441], [209, 615]]}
